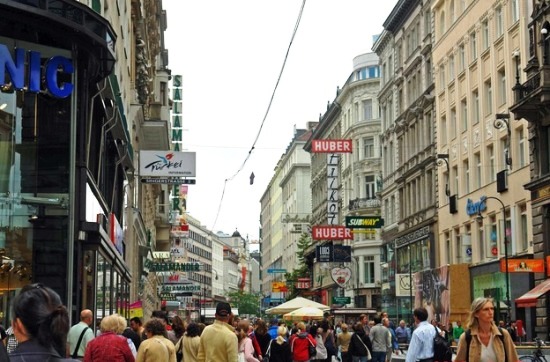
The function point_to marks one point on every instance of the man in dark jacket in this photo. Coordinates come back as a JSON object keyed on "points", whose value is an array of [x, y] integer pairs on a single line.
{"points": [[360, 344]]}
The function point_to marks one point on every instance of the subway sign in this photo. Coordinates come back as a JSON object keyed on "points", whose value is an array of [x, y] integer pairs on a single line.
{"points": [[26, 72], [364, 222]]}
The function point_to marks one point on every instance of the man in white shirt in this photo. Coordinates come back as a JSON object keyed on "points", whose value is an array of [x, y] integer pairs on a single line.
{"points": [[79, 335], [421, 348]]}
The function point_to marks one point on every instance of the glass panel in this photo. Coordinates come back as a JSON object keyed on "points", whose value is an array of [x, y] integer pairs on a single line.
{"points": [[101, 264]]}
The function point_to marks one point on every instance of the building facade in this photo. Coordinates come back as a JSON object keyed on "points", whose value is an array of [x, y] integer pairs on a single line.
{"points": [[408, 195], [529, 103]]}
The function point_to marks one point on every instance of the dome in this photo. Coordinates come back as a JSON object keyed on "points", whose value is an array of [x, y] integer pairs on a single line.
{"points": [[236, 234]]}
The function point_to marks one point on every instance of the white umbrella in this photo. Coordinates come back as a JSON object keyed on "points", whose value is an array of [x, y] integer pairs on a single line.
{"points": [[294, 304], [304, 314]]}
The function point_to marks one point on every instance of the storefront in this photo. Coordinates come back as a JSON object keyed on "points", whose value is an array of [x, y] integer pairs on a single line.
{"points": [[63, 156]]}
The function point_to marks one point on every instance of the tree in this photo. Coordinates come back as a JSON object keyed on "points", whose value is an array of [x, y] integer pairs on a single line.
{"points": [[246, 303], [302, 270]]}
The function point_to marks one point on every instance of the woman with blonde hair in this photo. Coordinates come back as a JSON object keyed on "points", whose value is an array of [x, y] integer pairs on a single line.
{"points": [[487, 341], [110, 345], [246, 349], [278, 349], [342, 341]]}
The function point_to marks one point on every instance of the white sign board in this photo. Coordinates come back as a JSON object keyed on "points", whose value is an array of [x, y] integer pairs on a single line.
{"points": [[167, 163], [403, 285]]}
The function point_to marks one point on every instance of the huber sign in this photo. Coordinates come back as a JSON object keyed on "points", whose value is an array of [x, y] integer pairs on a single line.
{"points": [[331, 146], [332, 232]]}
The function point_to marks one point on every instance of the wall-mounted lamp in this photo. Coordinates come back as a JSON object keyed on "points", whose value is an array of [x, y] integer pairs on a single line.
{"points": [[443, 159], [3, 106]]}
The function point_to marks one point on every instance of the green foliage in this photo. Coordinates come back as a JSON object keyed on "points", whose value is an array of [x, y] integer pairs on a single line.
{"points": [[302, 271], [247, 303]]}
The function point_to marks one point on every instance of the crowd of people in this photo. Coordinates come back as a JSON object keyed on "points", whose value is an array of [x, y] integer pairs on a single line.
{"points": [[42, 332]]}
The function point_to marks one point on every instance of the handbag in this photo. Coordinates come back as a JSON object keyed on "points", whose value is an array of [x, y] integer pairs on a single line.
{"points": [[369, 357], [267, 354], [179, 352], [311, 348]]}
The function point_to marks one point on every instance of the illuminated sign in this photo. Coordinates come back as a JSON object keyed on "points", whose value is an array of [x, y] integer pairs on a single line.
{"points": [[27, 66], [364, 222]]}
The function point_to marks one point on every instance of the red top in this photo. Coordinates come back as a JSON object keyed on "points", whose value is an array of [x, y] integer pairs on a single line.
{"points": [[108, 347], [299, 345]]}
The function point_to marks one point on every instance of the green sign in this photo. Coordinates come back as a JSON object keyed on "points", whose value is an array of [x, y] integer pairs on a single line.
{"points": [[341, 300], [364, 222]]}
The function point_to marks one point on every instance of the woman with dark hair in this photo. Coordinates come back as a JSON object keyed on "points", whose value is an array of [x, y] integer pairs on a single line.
{"points": [[262, 336], [189, 343], [156, 347], [178, 327], [40, 324]]}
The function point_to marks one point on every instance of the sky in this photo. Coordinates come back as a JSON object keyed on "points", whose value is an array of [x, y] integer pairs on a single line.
{"points": [[230, 55]]}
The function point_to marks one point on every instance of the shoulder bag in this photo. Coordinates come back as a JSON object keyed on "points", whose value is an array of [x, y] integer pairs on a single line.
{"points": [[75, 352], [369, 357]]}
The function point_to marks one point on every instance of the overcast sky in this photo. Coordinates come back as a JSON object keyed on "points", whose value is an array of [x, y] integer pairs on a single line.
{"points": [[229, 54]]}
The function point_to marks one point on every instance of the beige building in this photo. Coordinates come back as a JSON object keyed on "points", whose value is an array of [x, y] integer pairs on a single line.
{"points": [[481, 193]]}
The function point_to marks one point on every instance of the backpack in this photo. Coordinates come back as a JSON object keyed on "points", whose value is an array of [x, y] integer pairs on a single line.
{"points": [[469, 340], [442, 348]]}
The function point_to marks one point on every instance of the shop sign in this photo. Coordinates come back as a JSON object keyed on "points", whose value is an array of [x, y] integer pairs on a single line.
{"points": [[303, 283], [341, 300], [474, 208], [333, 253], [172, 267], [522, 265], [181, 288], [331, 233], [162, 163], [331, 146], [27, 66], [341, 276], [277, 287], [364, 222]]}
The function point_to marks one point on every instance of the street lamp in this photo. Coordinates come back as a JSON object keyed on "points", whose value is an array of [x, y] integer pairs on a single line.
{"points": [[507, 274]]}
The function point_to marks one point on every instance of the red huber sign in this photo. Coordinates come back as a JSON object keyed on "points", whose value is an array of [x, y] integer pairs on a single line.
{"points": [[331, 232], [331, 146]]}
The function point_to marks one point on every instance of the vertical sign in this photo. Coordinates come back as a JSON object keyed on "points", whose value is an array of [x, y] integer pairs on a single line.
{"points": [[332, 188]]}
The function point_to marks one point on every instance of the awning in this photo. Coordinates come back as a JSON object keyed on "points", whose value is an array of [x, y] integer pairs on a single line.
{"points": [[529, 299]]}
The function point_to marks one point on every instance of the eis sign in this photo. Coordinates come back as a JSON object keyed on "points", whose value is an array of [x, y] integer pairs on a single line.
{"points": [[27, 73]]}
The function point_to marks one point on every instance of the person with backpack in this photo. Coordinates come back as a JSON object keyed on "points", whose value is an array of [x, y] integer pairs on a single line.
{"points": [[300, 343], [483, 340], [421, 347]]}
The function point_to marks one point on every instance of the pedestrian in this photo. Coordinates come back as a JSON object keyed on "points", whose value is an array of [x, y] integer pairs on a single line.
{"points": [[487, 341], [342, 341], [40, 324], [156, 347], [129, 333], [457, 331], [137, 326], [421, 347], [380, 338], [189, 343], [246, 348], [218, 340], [80, 335], [393, 338], [178, 327], [273, 327], [257, 349], [262, 336], [110, 345], [364, 318], [317, 333], [279, 348], [300, 343], [403, 333], [360, 346]]}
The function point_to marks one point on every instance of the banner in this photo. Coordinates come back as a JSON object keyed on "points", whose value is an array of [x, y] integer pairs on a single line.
{"points": [[522, 265]]}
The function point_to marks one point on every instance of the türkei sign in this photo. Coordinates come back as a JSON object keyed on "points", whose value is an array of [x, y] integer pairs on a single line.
{"points": [[331, 232], [331, 146]]}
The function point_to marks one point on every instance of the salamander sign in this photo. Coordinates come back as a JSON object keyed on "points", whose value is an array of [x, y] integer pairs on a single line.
{"points": [[27, 73]]}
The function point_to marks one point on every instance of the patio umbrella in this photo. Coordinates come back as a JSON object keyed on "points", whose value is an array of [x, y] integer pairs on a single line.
{"points": [[294, 304], [304, 314]]}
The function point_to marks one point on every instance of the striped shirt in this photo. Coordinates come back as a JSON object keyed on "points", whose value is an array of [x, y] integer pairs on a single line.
{"points": [[11, 342]]}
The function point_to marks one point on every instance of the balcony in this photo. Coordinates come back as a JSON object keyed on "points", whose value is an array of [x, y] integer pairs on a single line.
{"points": [[531, 96], [155, 132]]}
